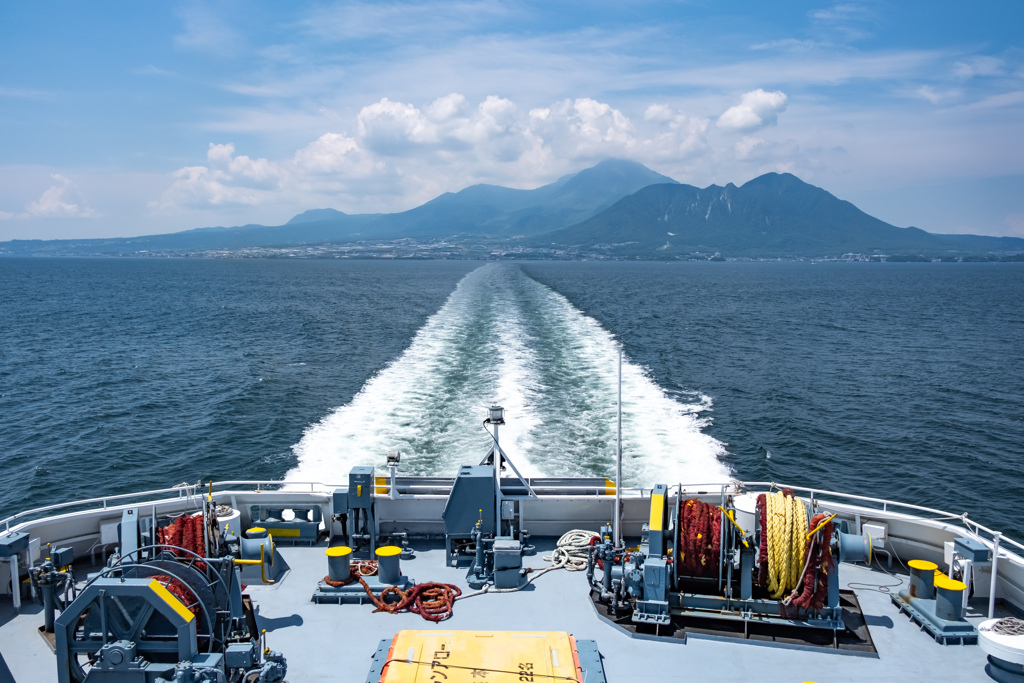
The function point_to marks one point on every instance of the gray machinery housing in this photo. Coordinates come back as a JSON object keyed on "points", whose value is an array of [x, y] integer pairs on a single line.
{"points": [[353, 509], [173, 617], [482, 519]]}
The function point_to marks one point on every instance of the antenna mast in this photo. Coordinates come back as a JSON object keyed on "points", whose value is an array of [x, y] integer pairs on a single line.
{"points": [[618, 464]]}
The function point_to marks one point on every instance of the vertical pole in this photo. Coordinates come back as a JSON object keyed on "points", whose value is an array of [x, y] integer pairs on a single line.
{"points": [[497, 483], [15, 583], [992, 588], [618, 464]]}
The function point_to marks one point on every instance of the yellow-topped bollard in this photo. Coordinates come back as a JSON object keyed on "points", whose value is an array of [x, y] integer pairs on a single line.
{"points": [[949, 598], [338, 567], [922, 579], [389, 571]]}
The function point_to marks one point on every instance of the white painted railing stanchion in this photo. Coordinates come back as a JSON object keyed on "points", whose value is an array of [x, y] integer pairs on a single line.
{"points": [[995, 564]]}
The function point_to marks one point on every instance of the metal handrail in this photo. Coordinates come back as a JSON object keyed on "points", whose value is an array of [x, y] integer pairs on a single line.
{"points": [[969, 523], [190, 490]]}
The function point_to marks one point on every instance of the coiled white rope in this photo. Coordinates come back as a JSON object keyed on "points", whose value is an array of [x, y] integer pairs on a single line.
{"points": [[572, 549]]}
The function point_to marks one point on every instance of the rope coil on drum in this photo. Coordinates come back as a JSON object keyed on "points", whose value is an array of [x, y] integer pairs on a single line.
{"points": [[787, 541], [1008, 626], [700, 538]]}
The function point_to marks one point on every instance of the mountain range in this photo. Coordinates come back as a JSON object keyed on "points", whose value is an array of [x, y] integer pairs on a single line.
{"points": [[614, 209]]}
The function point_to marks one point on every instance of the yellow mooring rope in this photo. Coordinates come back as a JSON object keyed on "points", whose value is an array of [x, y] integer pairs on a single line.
{"points": [[787, 541]]}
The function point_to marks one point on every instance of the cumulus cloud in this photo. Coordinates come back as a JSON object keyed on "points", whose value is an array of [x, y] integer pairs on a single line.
{"points": [[584, 128], [403, 153], [61, 200], [225, 180], [678, 134], [757, 109]]}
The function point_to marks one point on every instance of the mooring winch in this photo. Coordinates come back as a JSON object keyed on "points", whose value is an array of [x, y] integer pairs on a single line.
{"points": [[768, 558], [167, 607]]}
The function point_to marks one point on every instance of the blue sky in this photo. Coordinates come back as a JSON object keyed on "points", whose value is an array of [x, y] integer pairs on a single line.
{"points": [[133, 118]]}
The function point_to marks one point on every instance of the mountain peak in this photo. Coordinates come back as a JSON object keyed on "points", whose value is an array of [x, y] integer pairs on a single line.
{"points": [[314, 215], [628, 172]]}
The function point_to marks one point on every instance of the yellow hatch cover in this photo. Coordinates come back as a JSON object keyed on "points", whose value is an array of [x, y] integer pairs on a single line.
{"points": [[467, 656]]}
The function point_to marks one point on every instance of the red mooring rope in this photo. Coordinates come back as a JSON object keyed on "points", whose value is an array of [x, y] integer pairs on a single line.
{"points": [[700, 538]]}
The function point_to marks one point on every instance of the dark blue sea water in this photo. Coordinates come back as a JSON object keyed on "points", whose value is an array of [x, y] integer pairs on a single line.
{"points": [[896, 380]]}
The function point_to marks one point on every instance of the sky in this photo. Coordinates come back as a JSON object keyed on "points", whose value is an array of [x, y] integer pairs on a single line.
{"points": [[131, 118]]}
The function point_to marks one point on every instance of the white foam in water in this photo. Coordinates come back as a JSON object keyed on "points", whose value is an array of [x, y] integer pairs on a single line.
{"points": [[504, 338]]}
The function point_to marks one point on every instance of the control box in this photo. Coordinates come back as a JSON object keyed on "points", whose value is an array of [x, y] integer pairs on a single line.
{"points": [[360, 488]]}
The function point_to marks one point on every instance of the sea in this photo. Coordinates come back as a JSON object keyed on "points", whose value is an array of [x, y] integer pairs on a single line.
{"points": [[902, 381]]}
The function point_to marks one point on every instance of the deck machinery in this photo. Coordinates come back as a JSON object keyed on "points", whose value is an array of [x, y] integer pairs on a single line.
{"points": [[167, 607], [709, 560]]}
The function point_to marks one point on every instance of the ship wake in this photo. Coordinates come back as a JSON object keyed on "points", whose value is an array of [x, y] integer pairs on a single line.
{"points": [[503, 338]]}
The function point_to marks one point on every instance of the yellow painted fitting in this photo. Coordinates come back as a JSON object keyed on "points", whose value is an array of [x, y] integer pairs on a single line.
{"points": [[657, 512], [946, 583], [263, 568], [923, 565], [255, 530], [285, 533], [818, 528], [388, 551], [338, 551], [743, 534], [172, 601], [359, 490]]}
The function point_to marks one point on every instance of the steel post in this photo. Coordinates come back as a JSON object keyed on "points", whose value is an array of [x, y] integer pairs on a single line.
{"points": [[618, 465], [995, 562], [15, 583]]}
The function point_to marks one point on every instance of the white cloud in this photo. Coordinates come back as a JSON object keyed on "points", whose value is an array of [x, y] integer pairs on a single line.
{"points": [[843, 21], [978, 66], [938, 96], [205, 31], [62, 200], [413, 153], [678, 134], [225, 180], [757, 109], [390, 128], [583, 128]]}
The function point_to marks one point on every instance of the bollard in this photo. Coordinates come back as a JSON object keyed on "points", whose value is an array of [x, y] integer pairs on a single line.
{"points": [[922, 579], [949, 600], [338, 567], [388, 570]]}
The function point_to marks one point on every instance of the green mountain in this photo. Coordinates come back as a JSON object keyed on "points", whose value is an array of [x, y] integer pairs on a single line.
{"points": [[616, 208], [772, 215], [491, 211], [479, 212]]}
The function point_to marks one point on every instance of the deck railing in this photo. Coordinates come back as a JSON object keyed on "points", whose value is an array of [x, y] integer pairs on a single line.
{"points": [[185, 491]]}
